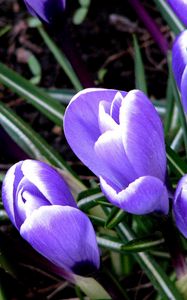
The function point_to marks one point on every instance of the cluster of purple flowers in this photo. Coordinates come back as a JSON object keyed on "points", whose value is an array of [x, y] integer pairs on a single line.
{"points": [[119, 136]]}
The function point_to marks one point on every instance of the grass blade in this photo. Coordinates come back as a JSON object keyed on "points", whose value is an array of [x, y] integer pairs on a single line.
{"points": [[175, 162], [61, 59], [33, 144], [169, 16], [139, 68], [154, 272], [38, 98]]}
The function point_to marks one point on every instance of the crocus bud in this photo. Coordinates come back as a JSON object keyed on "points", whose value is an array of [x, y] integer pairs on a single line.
{"points": [[119, 136], [180, 205], [49, 11], [180, 8], [179, 64], [40, 205]]}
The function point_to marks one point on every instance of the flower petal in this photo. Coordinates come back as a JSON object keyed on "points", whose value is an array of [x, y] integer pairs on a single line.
{"points": [[9, 188], [180, 205], [105, 120], [145, 195], [81, 124], [110, 150], [115, 107], [184, 89], [142, 135], [180, 8], [48, 181], [64, 235], [179, 56], [46, 10], [27, 199]]}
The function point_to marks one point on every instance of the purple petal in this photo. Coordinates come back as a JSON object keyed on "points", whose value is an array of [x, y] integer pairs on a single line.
{"points": [[180, 8], [142, 135], [179, 57], [105, 120], [64, 235], [46, 10], [115, 107], [184, 89], [27, 199], [48, 181], [145, 195], [81, 124], [9, 188], [110, 150], [180, 205]]}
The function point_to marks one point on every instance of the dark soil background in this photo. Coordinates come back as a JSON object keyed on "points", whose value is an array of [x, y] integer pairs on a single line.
{"points": [[101, 44]]}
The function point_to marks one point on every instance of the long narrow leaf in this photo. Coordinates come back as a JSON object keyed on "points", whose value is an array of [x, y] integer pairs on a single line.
{"points": [[139, 67], [175, 162], [181, 112], [153, 270], [61, 59], [136, 245], [169, 105], [169, 16], [37, 97], [115, 217], [32, 143], [155, 273]]}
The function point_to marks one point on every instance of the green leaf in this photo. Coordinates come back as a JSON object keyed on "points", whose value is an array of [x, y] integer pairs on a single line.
{"points": [[35, 146], [31, 142], [178, 140], [84, 2], [5, 29], [61, 59], [38, 98], [139, 68], [169, 16], [175, 162], [169, 105], [2, 175], [3, 216], [142, 244], [182, 116], [90, 198], [115, 217], [61, 95], [135, 245], [35, 68], [153, 270], [80, 15], [2, 295], [97, 220]]}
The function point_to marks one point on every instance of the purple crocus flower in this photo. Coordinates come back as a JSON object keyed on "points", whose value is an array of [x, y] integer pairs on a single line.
{"points": [[49, 11], [119, 136], [180, 205], [180, 8], [179, 64], [40, 205]]}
